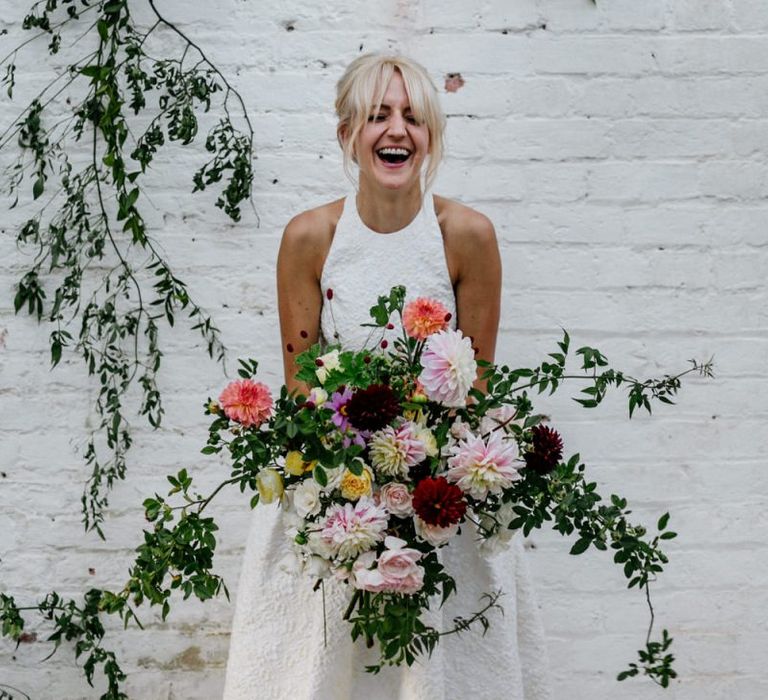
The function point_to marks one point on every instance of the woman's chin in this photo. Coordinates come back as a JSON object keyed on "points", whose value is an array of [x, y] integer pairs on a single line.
{"points": [[394, 178]]}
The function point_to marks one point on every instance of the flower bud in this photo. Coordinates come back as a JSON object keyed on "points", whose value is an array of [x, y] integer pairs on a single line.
{"points": [[318, 396], [270, 485]]}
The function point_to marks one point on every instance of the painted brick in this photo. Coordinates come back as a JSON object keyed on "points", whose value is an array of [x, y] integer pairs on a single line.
{"points": [[619, 151]]}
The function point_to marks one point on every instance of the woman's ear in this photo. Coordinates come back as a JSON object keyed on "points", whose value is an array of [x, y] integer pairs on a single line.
{"points": [[342, 135]]}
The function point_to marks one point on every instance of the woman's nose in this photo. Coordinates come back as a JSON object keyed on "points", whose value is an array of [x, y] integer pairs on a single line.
{"points": [[397, 124]]}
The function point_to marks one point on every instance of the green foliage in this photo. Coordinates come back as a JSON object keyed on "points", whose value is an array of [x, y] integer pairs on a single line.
{"points": [[114, 327], [178, 550], [654, 662]]}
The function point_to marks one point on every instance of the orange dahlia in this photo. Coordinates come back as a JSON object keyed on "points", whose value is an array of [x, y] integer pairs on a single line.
{"points": [[423, 316]]}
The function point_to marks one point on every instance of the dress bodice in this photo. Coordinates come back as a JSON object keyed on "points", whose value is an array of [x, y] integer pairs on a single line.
{"points": [[363, 265]]}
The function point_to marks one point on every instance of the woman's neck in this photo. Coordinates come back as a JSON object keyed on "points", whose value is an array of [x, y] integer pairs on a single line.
{"points": [[385, 210]]}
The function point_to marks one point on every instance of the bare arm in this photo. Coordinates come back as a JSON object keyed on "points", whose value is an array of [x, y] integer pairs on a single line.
{"points": [[299, 297], [478, 283]]}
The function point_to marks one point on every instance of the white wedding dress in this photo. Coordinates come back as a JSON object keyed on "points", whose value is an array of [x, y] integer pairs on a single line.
{"points": [[277, 649]]}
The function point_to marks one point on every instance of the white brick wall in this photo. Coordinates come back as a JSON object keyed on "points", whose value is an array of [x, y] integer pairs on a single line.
{"points": [[620, 151]]}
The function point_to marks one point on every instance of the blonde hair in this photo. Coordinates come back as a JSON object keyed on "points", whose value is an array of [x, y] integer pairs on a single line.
{"points": [[360, 92]]}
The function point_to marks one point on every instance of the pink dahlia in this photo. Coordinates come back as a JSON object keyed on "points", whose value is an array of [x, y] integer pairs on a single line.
{"points": [[423, 316], [351, 529], [480, 467], [246, 402], [449, 368]]}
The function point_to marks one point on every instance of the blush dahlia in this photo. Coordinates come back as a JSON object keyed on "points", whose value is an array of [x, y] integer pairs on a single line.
{"points": [[439, 503]]}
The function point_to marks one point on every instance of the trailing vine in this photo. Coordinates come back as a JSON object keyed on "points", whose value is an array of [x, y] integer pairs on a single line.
{"points": [[91, 232]]}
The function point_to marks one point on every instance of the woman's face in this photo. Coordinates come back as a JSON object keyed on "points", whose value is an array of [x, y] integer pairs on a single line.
{"points": [[392, 145]]}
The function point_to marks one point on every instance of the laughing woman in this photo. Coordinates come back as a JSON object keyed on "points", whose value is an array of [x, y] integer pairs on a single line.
{"points": [[391, 230]]}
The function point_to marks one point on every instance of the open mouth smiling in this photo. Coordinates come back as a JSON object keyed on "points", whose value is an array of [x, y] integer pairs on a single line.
{"points": [[393, 155]]}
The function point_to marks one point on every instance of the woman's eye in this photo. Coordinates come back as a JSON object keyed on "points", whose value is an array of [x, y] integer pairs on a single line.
{"points": [[376, 118]]}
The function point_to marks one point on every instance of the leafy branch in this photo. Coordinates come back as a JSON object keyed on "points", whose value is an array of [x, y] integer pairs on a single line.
{"points": [[568, 500], [92, 229]]}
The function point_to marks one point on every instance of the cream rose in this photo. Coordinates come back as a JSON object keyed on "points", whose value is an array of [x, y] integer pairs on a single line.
{"points": [[306, 498], [330, 361], [433, 534]]}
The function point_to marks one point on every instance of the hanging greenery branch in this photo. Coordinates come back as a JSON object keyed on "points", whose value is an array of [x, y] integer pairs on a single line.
{"points": [[91, 228]]}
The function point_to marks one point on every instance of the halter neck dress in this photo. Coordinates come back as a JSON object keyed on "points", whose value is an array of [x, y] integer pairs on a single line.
{"points": [[279, 649]]}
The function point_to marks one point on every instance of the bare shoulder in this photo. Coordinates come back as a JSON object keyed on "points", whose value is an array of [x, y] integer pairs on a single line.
{"points": [[308, 235], [468, 237], [315, 223], [462, 224]]}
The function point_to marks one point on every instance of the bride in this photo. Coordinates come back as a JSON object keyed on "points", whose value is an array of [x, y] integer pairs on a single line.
{"points": [[289, 642]]}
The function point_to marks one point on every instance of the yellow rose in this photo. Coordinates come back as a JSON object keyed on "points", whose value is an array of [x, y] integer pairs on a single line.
{"points": [[354, 487], [270, 485], [295, 464]]}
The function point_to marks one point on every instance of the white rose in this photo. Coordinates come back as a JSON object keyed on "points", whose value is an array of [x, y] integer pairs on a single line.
{"points": [[306, 498], [317, 545], [432, 533], [330, 361]]}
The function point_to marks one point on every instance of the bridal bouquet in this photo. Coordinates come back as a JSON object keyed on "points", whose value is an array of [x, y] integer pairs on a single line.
{"points": [[393, 452]]}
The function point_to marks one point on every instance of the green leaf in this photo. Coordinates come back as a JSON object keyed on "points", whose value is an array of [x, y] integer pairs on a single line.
{"points": [[38, 187], [663, 520], [581, 545], [101, 26], [321, 477]]}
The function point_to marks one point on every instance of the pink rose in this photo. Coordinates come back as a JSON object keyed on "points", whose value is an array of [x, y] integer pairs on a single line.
{"points": [[396, 572], [396, 498], [398, 567]]}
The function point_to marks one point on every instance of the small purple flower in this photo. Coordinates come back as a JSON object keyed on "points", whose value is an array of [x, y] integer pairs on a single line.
{"points": [[339, 401], [356, 437]]}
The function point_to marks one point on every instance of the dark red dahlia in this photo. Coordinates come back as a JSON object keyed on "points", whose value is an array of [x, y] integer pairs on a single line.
{"points": [[546, 450], [437, 502], [373, 408]]}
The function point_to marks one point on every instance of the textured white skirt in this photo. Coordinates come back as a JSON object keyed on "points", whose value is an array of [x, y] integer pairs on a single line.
{"points": [[279, 651]]}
